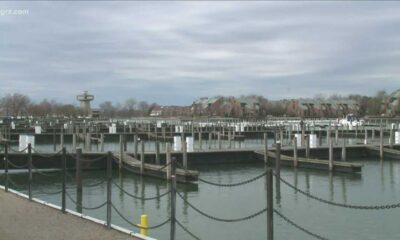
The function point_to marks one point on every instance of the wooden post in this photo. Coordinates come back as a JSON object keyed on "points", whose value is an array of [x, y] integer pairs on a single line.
{"points": [[295, 154], [336, 136], [265, 148], [209, 139], [62, 140], [168, 160], [157, 152], [135, 146], [109, 190], [230, 139], [373, 134], [121, 151], [344, 150], [142, 158], [6, 166], [307, 140], [54, 140], [391, 138], [184, 154], [381, 143], [30, 171], [89, 141], [328, 136], [200, 140], [73, 142], [173, 199], [64, 180], [278, 160], [330, 154], [102, 142], [219, 140], [78, 170], [270, 205]]}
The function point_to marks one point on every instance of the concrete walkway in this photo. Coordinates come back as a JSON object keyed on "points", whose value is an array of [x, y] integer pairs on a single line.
{"points": [[22, 219]]}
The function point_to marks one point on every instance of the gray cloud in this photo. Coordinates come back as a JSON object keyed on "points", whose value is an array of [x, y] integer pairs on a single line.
{"points": [[173, 52]]}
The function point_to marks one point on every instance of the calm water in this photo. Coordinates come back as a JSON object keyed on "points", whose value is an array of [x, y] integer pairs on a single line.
{"points": [[378, 184]]}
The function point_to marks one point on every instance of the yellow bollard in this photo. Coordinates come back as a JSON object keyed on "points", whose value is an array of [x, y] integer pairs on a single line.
{"points": [[144, 223]]}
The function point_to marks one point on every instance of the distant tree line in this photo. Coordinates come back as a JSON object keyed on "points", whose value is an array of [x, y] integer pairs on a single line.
{"points": [[21, 105], [16, 104]]}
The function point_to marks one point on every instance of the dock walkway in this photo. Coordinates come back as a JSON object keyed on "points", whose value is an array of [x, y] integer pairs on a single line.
{"points": [[22, 219]]}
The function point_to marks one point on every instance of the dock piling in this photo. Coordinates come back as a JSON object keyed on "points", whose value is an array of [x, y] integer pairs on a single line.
{"points": [[30, 171], [109, 179], [270, 204], [64, 180], [295, 154], [330, 154], [78, 170], [265, 148]]}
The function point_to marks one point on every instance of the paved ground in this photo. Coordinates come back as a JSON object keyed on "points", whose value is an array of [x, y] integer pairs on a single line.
{"points": [[21, 219]]}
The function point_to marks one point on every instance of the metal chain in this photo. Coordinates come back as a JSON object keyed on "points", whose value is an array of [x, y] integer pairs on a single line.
{"points": [[187, 230], [298, 226], [17, 151], [46, 156], [83, 207], [233, 184], [140, 198], [87, 160], [222, 219], [361, 207], [94, 184], [137, 225], [225, 184], [18, 166]]}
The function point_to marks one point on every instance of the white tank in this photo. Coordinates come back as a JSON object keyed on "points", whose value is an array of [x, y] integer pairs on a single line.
{"points": [[38, 130], [177, 143], [24, 140], [189, 144]]}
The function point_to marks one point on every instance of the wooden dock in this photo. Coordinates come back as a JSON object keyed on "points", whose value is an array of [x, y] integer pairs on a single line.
{"points": [[153, 170], [338, 166], [387, 152]]}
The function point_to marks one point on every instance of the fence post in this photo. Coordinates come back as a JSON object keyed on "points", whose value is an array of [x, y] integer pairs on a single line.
{"points": [[64, 179], [30, 171], [6, 165], [168, 161], [184, 154], [330, 154], [54, 140], [270, 206], [265, 148], [278, 160], [78, 170], [344, 150], [157, 152], [307, 139], [173, 198], [102, 142], [142, 158], [109, 179], [381, 143], [295, 156], [135, 145]]}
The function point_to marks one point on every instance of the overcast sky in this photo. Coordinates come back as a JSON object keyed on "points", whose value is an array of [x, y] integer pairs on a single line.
{"points": [[174, 52]]}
